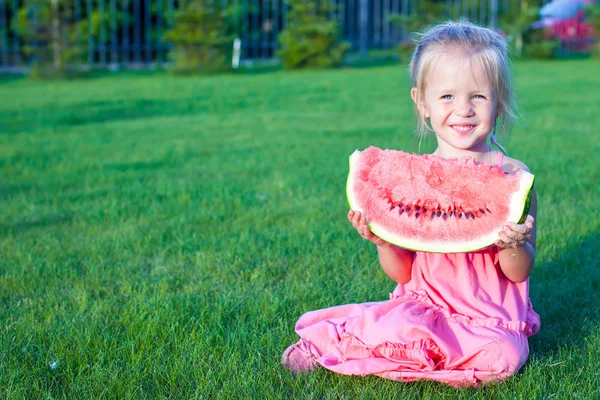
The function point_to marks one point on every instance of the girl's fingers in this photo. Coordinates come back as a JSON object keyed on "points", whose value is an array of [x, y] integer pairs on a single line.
{"points": [[531, 221], [516, 236], [505, 241], [522, 229]]}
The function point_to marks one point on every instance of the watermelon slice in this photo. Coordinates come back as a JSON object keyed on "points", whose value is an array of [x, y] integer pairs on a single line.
{"points": [[426, 203]]}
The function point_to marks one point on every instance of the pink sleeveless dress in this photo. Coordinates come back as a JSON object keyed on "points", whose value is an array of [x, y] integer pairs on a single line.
{"points": [[459, 320]]}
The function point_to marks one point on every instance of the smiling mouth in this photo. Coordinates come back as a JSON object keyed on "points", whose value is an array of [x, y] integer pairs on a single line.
{"points": [[463, 128]]}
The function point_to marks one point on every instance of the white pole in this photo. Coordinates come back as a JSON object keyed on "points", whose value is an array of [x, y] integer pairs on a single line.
{"points": [[235, 59]]}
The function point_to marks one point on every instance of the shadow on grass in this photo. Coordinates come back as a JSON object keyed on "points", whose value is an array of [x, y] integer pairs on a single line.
{"points": [[98, 112], [34, 222], [566, 297]]}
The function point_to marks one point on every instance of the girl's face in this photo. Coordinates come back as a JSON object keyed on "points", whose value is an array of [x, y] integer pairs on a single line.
{"points": [[459, 103]]}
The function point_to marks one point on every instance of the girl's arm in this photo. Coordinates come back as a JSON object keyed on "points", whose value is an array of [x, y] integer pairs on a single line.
{"points": [[395, 261], [517, 244]]}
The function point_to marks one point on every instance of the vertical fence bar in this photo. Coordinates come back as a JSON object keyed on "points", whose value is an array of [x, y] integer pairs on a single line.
{"points": [[350, 12], [264, 28], [394, 30], [377, 23], [78, 29], [170, 23], [482, 12], [273, 32], [364, 26], [90, 55], [4, 27], [16, 44], [114, 60], [147, 31], [276, 26], [386, 23], [137, 32], [159, 33], [341, 17], [493, 21], [253, 31], [125, 48], [245, 52], [102, 41]]}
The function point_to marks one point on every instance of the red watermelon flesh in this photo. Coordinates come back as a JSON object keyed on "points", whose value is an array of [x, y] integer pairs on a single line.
{"points": [[426, 203]]}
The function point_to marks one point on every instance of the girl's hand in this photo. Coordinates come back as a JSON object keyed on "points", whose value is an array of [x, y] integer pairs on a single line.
{"points": [[360, 224], [515, 235]]}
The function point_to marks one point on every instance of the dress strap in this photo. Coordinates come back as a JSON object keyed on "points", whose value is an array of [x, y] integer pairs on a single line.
{"points": [[500, 159]]}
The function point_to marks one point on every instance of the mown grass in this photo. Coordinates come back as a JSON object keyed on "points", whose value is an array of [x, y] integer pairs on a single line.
{"points": [[160, 236]]}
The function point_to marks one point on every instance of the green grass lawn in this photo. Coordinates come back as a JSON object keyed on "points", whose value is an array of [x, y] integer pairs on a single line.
{"points": [[160, 236]]}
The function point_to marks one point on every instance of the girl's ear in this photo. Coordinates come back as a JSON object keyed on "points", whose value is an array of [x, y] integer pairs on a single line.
{"points": [[414, 93]]}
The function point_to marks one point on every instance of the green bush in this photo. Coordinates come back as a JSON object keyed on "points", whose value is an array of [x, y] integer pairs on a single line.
{"points": [[48, 31], [405, 50], [202, 37], [515, 21], [592, 16], [424, 13], [543, 49], [310, 39]]}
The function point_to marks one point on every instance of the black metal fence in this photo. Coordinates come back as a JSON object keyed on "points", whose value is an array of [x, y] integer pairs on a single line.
{"points": [[129, 33]]}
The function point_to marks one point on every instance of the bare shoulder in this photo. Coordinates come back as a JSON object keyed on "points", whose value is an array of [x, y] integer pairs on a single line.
{"points": [[512, 165]]}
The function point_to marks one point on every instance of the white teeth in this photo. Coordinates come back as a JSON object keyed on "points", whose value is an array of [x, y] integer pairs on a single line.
{"points": [[463, 127]]}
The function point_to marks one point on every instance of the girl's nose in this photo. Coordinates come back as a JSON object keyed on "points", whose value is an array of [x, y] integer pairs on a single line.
{"points": [[464, 109]]}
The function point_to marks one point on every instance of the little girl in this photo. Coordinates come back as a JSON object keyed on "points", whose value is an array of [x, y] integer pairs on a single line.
{"points": [[460, 318]]}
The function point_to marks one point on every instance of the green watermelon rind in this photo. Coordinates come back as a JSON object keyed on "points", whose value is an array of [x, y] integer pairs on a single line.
{"points": [[519, 209]]}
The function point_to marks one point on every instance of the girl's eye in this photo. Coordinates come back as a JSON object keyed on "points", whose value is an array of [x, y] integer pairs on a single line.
{"points": [[479, 96], [446, 97]]}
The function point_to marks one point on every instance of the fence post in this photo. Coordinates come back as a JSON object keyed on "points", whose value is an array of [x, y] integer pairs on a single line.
{"points": [[363, 21], [493, 22]]}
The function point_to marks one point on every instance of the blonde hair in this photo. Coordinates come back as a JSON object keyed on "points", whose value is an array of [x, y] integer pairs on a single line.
{"points": [[486, 46]]}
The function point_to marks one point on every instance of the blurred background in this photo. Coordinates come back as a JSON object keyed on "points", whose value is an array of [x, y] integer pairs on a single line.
{"points": [[58, 37], [173, 189]]}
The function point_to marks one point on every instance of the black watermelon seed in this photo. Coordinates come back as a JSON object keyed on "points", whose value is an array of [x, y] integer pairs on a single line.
{"points": [[424, 209], [439, 213], [452, 213], [408, 209], [417, 215], [471, 215], [460, 215], [401, 211], [481, 211], [417, 208], [445, 216], [488, 210], [432, 214]]}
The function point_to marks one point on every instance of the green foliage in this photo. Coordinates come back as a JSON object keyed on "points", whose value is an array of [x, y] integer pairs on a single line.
{"points": [[310, 39], [545, 49], [592, 16], [48, 29], [424, 13], [515, 22], [537, 44], [202, 37]]}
